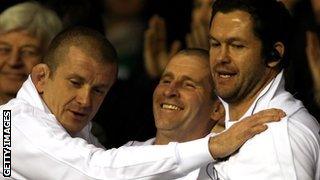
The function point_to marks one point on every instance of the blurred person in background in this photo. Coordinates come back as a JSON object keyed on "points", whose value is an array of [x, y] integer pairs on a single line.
{"points": [[156, 52], [124, 27], [26, 30], [303, 74]]}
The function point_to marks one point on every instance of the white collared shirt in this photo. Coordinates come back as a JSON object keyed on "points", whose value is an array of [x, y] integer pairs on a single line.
{"points": [[287, 150], [42, 149]]}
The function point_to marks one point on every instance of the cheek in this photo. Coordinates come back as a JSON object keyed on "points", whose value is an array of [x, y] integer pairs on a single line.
{"points": [[157, 92], [194, 100], [96, 103]]}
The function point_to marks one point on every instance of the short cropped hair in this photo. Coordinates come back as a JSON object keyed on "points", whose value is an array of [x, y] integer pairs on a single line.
{"points": [[203, 55], [32, 17], [90, 41], [272, 22]]}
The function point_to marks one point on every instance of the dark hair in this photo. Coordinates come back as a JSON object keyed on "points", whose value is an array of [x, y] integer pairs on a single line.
{"points": [[89, 40], [271, 20]]}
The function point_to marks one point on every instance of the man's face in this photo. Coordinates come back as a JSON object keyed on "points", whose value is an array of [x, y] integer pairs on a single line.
{"points": [[182, 100], [19, 52], [77, 89], [236, 62]]}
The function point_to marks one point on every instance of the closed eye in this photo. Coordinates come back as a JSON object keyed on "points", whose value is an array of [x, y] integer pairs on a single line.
{"points": [[237, 46], [75, 83], [99, 91], [190, 85]]}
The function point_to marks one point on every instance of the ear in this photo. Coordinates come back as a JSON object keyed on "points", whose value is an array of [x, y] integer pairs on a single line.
{"points": [[39, 75], [279, 49], [218, 112]]}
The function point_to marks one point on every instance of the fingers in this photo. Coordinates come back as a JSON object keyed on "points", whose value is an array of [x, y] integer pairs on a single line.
{"points": [[175, 48], [256, 130], [265, 116], [313, 57], [232, 139], [161, 33], [150, 49], [198, 37], [155, 50], [316, 9], [312, 48], [202, 31]]}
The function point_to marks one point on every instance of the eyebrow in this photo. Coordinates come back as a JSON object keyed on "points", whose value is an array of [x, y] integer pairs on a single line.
{"points": [[229, 40], [82, 79], [188, 78], [167, 74], [184, 77], [29, 46], [23, 46]]}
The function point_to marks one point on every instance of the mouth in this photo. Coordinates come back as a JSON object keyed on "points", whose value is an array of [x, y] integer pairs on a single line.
{"points": [[170, 107], [225, 74], [78, 115]]}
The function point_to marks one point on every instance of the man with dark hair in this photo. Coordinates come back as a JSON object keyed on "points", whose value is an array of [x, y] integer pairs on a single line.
{"points": [[249, 40], [51, 117]]}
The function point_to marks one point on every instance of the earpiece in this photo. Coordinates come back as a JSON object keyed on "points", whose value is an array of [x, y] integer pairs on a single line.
{"points": [[273, 56]]}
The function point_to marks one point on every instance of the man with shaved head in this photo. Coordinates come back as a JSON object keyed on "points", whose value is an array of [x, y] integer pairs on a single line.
{"points": [[50, 122]]}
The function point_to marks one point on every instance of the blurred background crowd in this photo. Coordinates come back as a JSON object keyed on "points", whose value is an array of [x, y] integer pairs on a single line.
{"points": [[145, 33]]}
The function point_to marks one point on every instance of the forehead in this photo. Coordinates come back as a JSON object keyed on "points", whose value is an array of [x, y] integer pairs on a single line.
{"points": [[234, 23], [188, 65], [76, 61], [19, 37]]}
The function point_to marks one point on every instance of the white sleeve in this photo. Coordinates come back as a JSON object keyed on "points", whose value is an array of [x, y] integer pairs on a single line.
{"points": [[304, 138], [53, 154]]}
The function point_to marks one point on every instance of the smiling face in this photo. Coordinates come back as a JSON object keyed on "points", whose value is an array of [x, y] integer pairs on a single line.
{"points": [[182, 101], [236, 61], [77, 88], [19, 52]]}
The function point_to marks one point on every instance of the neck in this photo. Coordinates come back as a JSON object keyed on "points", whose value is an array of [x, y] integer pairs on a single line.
{"points": [[240, 107]]}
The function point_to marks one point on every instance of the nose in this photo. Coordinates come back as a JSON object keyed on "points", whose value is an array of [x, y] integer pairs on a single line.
{"points": [[15, 60], [84, 97], [223, 55], [172, 90]]}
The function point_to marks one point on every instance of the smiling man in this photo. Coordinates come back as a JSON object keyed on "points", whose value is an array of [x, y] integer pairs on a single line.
{"points": [[249, 42], [52, 112], [26, 30], [185, 107]]}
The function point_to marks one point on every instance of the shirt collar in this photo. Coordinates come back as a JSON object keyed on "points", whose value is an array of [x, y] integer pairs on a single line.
{"points": [[29, 93]]}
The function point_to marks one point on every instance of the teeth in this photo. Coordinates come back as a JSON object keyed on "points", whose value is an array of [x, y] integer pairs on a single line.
{"points": [[224, 76], [171, 107]]}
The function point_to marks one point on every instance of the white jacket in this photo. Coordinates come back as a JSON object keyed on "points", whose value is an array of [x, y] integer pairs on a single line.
{"points": [[42, 149], [288, 150]]}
